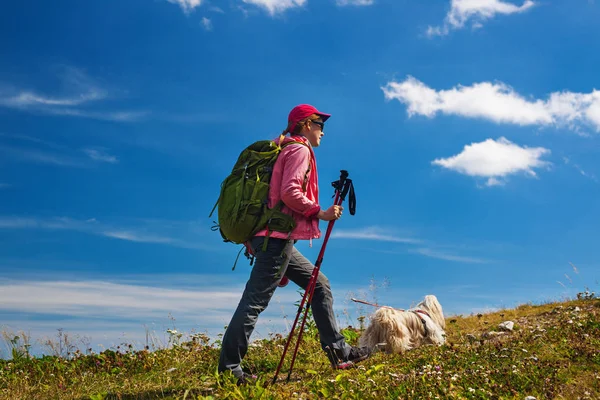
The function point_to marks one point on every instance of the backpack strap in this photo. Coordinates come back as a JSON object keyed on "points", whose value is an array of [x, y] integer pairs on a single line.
{"points": [[280, 203], [305, 182]]}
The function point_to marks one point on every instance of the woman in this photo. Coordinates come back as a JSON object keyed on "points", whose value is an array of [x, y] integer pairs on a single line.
{"points": [[295, 182]]}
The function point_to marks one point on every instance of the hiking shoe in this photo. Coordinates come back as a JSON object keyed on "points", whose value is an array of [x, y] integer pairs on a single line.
{"points": [[358, 354], [246, 379]]}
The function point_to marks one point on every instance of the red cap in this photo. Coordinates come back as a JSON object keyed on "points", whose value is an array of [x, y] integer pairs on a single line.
{"points": [[301, 112]]}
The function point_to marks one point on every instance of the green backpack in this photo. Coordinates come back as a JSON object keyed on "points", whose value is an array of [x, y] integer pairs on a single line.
{"points": [[242, 203]]}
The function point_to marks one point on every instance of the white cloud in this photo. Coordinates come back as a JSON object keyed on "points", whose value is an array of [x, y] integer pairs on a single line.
{"points": [[173, 233], [187, 5], [276, 6], [207, 24], [354, 2], [80, 93], [461, 11], [497, 102], [495, 160], [373, 233], [100, 155]]}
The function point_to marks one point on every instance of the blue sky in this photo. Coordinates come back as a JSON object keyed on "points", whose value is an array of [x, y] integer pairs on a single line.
{"points": [[470, 129]]}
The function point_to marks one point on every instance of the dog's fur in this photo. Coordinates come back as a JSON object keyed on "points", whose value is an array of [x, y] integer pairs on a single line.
{"points": [[395, 331]]}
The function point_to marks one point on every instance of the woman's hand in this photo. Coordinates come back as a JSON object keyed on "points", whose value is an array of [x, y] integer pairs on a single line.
{"points": [[333, 212]]}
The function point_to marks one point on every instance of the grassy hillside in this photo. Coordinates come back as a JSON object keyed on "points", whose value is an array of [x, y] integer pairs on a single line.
{"points": [[553, 352]]}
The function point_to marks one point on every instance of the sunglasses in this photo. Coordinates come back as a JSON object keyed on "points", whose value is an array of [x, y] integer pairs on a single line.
{"points": [[320, 123]]}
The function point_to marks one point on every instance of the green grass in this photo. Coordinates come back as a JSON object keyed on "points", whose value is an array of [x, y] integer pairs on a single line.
{"points": [[553, 352]]}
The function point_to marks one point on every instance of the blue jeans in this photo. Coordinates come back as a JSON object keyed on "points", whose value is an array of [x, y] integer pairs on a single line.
{"points": [[280, 258]]}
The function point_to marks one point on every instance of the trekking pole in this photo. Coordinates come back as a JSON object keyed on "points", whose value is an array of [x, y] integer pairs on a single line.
{"points": [[342, 186]]}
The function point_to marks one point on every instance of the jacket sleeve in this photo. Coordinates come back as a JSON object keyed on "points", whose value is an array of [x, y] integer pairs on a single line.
{"points": [[297, 161]]}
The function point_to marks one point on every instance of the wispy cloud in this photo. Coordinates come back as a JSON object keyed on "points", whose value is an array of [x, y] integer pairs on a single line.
{"points": [[207, 24], [173, 233], [499, 103], [373, 233], [80, 94], [276, 6], [101, 155], [567, 161], [107, 299], [4, 185], [424, 247], [477, 11], [428, 252], [32, 149], [81, 90], [117, 116], [495, 160], [40, 156], [104, 310], [187, 5], [32, 139], [26, 99], [354, 2], [138, 237]]}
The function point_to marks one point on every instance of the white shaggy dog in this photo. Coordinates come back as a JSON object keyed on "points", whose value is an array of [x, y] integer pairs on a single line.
{"points": [[396, 331]]}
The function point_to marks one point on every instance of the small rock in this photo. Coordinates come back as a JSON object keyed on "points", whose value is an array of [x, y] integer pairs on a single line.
{"points": [[530, 398], [507, 325], [492, 334], [171, 370]]}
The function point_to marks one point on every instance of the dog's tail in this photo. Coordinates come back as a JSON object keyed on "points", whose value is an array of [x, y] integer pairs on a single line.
{"points": [[386, 327]]}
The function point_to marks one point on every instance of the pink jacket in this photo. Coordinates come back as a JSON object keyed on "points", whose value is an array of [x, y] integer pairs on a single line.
{"points": [[286, 184]]}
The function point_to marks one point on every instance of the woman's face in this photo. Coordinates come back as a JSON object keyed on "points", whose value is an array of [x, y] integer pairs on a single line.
{"points": [[314, 132]]}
